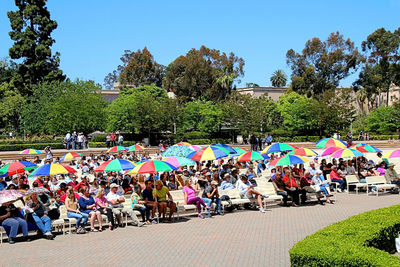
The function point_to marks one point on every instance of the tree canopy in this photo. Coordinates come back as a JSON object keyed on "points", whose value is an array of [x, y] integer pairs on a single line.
{"points": [[278, 78]]}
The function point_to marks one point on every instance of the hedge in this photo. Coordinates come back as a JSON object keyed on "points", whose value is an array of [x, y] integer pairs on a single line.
{"points": [[361, 240]]}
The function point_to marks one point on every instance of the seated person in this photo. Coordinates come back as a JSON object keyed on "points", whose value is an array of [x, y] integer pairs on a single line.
{"points": [[280, 187], [104, 208], [138, 204], [227, 184], [246, 189], [381, 169], [88, 205], [191, 198], [335, 177], [42, 220], [291, 188], [10, 216], [149, 200], [307, 186], [211, 193], [392, 176], [323, 184], [161, 192]]}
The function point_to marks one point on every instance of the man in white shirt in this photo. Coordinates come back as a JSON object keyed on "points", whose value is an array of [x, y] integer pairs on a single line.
{"points": [[312, 170], [247, 190], [115, 200]]}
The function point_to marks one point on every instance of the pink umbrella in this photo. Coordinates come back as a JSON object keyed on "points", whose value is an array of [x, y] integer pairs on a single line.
{"points": [[329, 151], [10, 195]]}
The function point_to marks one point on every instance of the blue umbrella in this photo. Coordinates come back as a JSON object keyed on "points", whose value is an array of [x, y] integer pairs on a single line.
{"points": [[177, 151], [228, 148]]}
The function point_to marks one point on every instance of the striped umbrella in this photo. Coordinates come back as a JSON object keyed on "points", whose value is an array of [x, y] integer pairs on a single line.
{"points": [[179, 161], [183, 144], [115, 165], [17, 167], [30, 152], [251, 156], [117, 149], [329, 151], [230, 149], [304, 152], [52, 169], [70, 156], [328, 142], [288, 160], [208, 153], [135, 148], [392, 154], [153, 166], [178, 151], [346, 153], [365, 148], [278, 147]]}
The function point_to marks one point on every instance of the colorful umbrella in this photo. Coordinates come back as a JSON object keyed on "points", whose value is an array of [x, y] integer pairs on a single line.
{"points": [[329, 151], [364, 148], [179, 161], [135, 148], [288, 160], [70, 156], [230, 149], [153, 166], [52, 169], [17, 167], [115, 165], [278, 147], [304, 152], [117, 149], [346, 153], [37, 190], [10, 195], [328, 142], [251, 156], [183, 144], [392, 154], [177, 150], [208, 153], [194, 147], [30, 152]]}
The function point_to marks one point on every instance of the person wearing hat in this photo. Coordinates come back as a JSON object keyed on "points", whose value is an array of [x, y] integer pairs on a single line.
{"points": [[391, 175], [227, 184], [211, 195], [247, 190], [323, 184]]}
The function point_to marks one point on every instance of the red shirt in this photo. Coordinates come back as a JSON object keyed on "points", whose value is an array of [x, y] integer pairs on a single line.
{"points": [[292, 181], [40, 183], [335, 175], [80, 185]]}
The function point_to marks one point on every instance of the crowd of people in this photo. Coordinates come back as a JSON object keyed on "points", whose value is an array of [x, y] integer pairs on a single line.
{"points": [[89, 195]]}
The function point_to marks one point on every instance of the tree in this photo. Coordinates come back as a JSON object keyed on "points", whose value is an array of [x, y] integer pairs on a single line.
{"points": [[384, 120], [383, 64], [153, 90], [278, 78], [322, 65], [10, 106], [138, 68], [8, 70], [201, 116], [31, 32], [204, 74], [252, 85], [58, 107]]}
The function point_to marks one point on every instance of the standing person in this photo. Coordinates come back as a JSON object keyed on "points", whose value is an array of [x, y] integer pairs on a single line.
{"points": [[49, 154], [120, 139], [80, 140], [68, 139], [349, 138], [113, 137], [10, 216], [73, 141], [108, 141], [42, 220], [253, 142], [268, 139]]}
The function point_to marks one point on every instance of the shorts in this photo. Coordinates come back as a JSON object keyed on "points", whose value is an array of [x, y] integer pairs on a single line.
{"points": [[247, 196]]}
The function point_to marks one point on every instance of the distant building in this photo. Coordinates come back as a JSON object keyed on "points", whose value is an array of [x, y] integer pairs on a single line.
{"points": [[273, 92]]}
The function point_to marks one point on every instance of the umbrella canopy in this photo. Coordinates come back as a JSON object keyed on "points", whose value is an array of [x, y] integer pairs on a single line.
{"points": [[179, 161], [70, 156], [52, 169], [194, 147], [392, 154], [328, 142], [183, 144], [304, 152], [17, 167], [365, 148], [135, 148], [177, 150], [208, 153], [329, 151], [117, 149], [230, 149], [346, 153], [30, 152], [37, 190], [115, 165], [10, 195], [153, 166], [250, 156], [278, 147], [289, 160]]}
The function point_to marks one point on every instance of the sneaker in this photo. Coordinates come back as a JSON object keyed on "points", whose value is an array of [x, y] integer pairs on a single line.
{"points": [[220, 213], [139, 224], [265, 196], [262, 210], [201, 216], [154, 221], [209, 215], [339, 190], [11, 241], [26, 239]]}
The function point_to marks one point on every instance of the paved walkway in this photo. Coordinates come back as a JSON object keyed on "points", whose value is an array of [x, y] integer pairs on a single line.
{"points": [[242, 238]]}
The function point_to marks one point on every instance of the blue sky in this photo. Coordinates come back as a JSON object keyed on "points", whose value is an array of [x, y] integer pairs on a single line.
{"points": [[92, 34]]}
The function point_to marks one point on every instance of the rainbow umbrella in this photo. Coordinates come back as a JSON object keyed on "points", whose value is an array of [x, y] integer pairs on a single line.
{"points": [[179, 161], [346, 153], [194, 147], [10, 195], [365, 148], [177, 150], [153, 166], [52, 169], [251, 156], [278, 147], [70, 156], [208, 153], [304, 152], [230, 149], [329, 151], [392, 154], [17, 167], [115, 165], [183, 144], [117, 149], [328, 142], [288, 160], [135, 148], [30, 151]]}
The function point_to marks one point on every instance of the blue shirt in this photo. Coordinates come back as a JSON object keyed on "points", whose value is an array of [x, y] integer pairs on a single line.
{"points": [[226, 185], [83, 203], [2, 185]]}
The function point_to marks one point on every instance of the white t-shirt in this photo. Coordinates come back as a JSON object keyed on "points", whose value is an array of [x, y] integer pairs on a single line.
{"points": [[111, 196]]}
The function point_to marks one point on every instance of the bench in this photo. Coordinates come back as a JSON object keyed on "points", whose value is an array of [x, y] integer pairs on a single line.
{"points": [[352, 180], [379, 182], [179, 199]]}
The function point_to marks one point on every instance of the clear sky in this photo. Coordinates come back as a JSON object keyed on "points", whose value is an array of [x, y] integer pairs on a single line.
{"points": [[92, 34]]}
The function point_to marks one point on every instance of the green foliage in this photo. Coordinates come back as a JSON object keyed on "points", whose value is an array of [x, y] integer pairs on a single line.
{"points": [[58, 107], [201, 116], [203, 74], [278, 78], [321, 65], [360, 240], [98, 138], [31, 29], [156, 92], [10, 106], [383, 119]]}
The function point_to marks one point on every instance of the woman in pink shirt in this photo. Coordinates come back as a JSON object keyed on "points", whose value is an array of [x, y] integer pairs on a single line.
{"points": [[191, 198], [104, 208]]}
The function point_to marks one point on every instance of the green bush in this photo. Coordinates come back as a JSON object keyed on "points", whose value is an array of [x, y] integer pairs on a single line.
{"points": [[361, 240], [221, 141], [103, 144], [20, 147], [99, 138], [200, 141], [196, 135]]}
